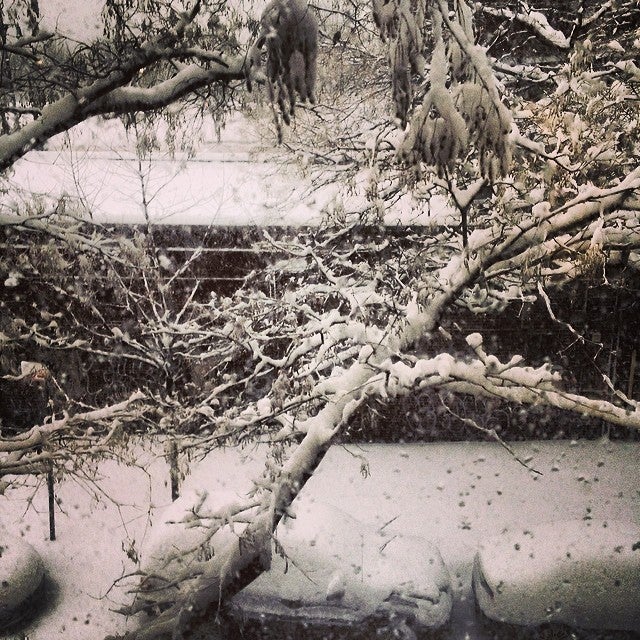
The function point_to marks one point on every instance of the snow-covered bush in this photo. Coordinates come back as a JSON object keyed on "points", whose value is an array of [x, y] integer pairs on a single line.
{"points": [[189, 532]]}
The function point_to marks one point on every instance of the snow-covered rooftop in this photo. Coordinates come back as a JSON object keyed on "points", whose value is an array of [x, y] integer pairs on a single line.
{"points": [[238, 180]]}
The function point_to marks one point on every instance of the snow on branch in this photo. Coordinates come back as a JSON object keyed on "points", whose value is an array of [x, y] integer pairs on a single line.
{"points": [[402, 22], [526, 385], [191, 78], [511, 381], [177, 555], [30, 451], [570, 227], [462, 107], [493, 254], [534, 20], [114, 93], [378, 372], [68, 229]]}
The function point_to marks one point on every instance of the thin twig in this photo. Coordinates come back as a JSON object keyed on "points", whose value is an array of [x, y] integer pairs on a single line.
{"points": [[491, 433]]}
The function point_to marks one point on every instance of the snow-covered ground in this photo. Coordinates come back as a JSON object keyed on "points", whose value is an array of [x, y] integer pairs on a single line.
{"points": [[102, 526], [209, 190], [460, 494], [237, 180], [454, 494]]}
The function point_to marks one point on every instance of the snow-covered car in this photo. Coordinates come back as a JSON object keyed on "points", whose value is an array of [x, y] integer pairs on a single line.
{"points": [[581, 573], [21, 574], [180, 542], [333, 571]]}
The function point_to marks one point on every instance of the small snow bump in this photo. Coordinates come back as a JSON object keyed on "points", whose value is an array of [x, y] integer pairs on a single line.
{"points": [[474, 340], [336, 587]]}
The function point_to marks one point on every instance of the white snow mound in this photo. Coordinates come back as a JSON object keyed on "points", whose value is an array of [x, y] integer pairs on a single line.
{"points": [[330, 566], [21, 573], [584, 573], [182, 541]]}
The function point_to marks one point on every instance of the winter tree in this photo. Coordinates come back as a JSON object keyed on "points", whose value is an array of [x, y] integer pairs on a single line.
{"points": [[536, 154]]}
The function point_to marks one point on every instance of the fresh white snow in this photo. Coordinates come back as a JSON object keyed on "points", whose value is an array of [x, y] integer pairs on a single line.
{"points": [[453, 495], [103, 528], [21, 572], [204, 191], [457, 495], [77, 20], [239, 179], [329, 565], [583, 572]]}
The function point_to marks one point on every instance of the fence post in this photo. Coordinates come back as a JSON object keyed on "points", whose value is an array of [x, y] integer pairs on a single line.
{"points": [[52, 503], [632, 373], [174, 473]]}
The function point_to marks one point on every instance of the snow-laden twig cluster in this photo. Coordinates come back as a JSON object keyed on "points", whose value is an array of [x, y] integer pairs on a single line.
{"points": [[67, 440]]}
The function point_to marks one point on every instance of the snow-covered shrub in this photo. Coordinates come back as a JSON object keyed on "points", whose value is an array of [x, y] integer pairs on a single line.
{"points": [[186, 534]]}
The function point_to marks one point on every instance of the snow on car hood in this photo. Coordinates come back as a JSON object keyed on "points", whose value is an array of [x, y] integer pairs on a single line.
{"points": [[329, 565], [585, 573]]}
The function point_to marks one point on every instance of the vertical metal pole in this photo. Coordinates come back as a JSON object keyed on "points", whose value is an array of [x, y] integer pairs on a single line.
{"points": [[632, 373], [174, 472], [52, 504]]}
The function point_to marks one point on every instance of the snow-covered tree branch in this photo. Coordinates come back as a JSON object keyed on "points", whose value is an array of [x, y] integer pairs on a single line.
{"points": [[66, 439], [525, 185], [112, 91]]}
